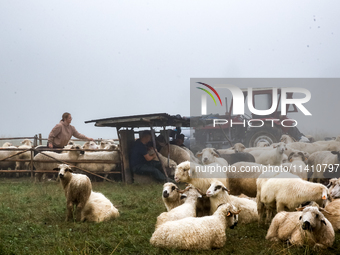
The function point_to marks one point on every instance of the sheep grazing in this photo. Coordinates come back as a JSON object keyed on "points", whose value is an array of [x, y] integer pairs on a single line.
{"points": [[70, 155], [171, 196], [270, 156], [307, 226], [318, 161], [77, 189], [192, 233], [218, 194], [187, 209], [98, 208], [187, 172], [297, 165], [100, 155], [285, 191]]}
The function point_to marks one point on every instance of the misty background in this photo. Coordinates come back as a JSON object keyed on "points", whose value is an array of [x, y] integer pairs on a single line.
{"points": [[100, 59]]}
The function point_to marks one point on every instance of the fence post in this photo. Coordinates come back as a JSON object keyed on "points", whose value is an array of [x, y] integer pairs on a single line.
{"points": [[40, 139], [35, 143]]}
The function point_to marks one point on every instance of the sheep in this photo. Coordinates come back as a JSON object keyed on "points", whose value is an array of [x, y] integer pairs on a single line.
{"points": [[211, 155], [171, 196], [285, 191], [26, 144], [334, 207], [98, 208], [6, 145], [100, 155], [287, 139], [263, 144], [321, 160], [270, 157], [5, 165], [187, 209], [108, 145], [238, 147], [243, 178], [177, 154], [164, 160], [90, 145], [334, 184], [191, 173], [307, 226], [77, 189], [297, 165], [192, 233], [218, 194], [70, 155], [307, 147]]}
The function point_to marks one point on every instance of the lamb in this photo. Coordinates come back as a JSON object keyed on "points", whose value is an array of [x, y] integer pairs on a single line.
{"points": [[307, 226], [322, 160], [191, 173], [171, 196], [192, 233], [70, 155], [218, 194], [98, 208], [211, 155], [187, 209], [77, 189], [164, 160], [270, 157], [287, 192], [297, 165], [100, 155]]}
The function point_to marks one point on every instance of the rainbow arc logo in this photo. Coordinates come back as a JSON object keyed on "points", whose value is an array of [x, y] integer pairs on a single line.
{"points": [[209, 93]]}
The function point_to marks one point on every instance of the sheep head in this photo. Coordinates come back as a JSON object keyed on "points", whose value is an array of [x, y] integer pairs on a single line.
{"points": [[208, 155], [170, 191], [334, 188], [311, 218], [64, 170], [281, 147], [90, 145], [238, 147], [183, 172], [216, 187], [230, 212], [27, 142]]}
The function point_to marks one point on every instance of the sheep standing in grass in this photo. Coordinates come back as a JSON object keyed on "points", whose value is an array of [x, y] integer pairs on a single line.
{"points": [[192, 233], [218, 194], [187, 209], [171, 196], [308, 226], [98, 208], [77, 189]]}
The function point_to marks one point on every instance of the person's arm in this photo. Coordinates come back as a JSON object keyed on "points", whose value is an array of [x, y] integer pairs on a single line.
{"points": [[79, 135], [54, 132], [149, 157]]}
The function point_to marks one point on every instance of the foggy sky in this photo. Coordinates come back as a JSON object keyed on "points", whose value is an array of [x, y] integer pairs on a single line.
{"points": [[99, 59]]}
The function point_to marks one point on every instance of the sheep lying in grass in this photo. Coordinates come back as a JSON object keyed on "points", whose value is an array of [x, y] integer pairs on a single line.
{"points": [[334, 207], [192, 233], [77, 189], [307, 226], [98, 208], [187, 209], [70, 155], [171, 196], [218, 194]]}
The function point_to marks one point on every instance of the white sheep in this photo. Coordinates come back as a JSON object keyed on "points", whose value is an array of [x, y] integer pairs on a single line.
{"points": [[6, 145], [90, 145], [287, 139], [187, 209], [285, 191], [77, 189], [5, 165], [100, 155], [238, 147], [189, 172], [178, 154], [210, 155], [192, 233], [70, 155], [307, 147], [319, 161], [26, 144], [171, 196], [334, 207], [270, 157], [218, 194], [307, 226], [98, 208], [164, 160]]}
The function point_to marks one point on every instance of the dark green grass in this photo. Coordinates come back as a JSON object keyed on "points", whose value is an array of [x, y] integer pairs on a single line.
{"points": [[32, 221]]}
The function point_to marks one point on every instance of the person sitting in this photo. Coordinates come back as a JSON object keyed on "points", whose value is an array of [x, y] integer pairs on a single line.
{"points": [[144, 164], [179, 140]]}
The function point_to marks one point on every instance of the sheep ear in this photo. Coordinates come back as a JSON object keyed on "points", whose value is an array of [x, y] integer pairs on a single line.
{"points": [[199, 154], [299, 209], [216, 153], [183, 196], [335, 152], [189, 172], [324, 211], [70, 170], [56, 169], [290, 156], [324, 222], [225, 189], [274, 146]]}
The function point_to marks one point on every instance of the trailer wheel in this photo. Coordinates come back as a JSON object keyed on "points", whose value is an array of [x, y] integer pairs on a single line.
{"points": [[266, 134]]}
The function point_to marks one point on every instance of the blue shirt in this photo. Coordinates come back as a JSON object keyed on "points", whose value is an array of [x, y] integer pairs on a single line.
{"points": [[137, 153]]}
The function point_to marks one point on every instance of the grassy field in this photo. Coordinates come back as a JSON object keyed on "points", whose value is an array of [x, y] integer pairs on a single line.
{"points": [[32, 221]]}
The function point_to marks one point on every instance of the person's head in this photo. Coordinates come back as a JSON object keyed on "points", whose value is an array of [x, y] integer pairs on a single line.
{"points": [[67, 118], [145, 136], [180, 139]]}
